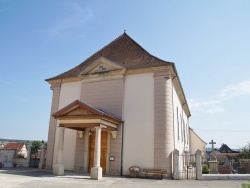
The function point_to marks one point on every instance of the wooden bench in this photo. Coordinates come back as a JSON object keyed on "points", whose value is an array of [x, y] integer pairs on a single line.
{"points": [[157, 173]]}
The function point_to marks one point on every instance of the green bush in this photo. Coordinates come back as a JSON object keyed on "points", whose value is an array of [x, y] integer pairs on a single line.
{"points": [[205, 169], [245, 185]]}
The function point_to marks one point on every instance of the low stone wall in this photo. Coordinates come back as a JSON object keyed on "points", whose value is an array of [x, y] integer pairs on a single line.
{"points": [[225, 176], [6, 155], [21, 162], [8, 159]]}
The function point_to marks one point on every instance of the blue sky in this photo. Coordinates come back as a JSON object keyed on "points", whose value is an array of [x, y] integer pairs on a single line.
{"points": [[209, 42]]}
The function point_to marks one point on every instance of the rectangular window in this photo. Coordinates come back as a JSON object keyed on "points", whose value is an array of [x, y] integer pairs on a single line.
{"points": [[181, 129], [184, 132], [178, 128]]}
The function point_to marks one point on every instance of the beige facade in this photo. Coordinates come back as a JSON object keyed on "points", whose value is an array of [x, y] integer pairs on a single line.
{"points": [[142, 109], [196, 143], [139, 121]]}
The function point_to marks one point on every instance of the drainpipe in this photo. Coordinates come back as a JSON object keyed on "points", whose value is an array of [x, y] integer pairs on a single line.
{"points": [[122, 124]]}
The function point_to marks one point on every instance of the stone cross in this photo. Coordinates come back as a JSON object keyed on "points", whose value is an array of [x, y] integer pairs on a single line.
{"points": [[212, 154]]}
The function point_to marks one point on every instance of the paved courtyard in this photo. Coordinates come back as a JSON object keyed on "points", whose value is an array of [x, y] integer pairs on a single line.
{"points": [[28, 177]]}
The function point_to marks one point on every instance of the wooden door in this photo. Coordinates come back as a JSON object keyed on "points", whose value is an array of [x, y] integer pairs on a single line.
{"points": [[104, 139]]}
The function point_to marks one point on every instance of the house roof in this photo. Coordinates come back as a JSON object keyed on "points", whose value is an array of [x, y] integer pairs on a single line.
{"points": [[124, 51], [14, 145], [225, 149]]}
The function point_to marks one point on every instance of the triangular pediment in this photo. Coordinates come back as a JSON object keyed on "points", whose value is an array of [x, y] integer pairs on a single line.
{"points": [[77, 108], [101, 65], [79, 111]]}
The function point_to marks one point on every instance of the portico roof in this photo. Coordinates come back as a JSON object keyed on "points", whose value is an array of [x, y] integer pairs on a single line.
{"points": [[79, 115]]}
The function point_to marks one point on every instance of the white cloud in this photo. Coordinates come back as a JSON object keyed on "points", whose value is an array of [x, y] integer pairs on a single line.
{"points": [[78, 17], [209, 106], [234, 90], [214, 106]]}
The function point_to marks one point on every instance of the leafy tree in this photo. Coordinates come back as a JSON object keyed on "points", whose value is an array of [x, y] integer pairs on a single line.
{"points": [[245, 152], [36, 145]]}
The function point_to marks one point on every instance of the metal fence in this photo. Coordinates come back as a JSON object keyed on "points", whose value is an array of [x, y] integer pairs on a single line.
{"points": [[187, 166]]}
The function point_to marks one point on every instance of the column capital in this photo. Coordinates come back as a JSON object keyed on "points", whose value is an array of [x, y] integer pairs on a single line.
{"points": [[98, 127]]}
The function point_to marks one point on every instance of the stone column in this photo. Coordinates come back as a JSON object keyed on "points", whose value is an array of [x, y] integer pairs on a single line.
{"points": [[42, 157], [96, 171], [163, 121], [58, 168], [176, 155], [198, 165], [86, 152], [56, 88], [29, 154]]}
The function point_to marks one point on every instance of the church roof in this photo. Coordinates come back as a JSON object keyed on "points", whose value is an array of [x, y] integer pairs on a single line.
{"points": [[124, 51]]}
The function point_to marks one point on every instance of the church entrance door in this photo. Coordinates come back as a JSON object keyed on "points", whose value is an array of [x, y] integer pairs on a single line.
{"points": [[104, 139]]}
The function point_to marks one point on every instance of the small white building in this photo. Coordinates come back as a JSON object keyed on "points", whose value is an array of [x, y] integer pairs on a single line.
{"points": [[134, 103], [21, 150]]}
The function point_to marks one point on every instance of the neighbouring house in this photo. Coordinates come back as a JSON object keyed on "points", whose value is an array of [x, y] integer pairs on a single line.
{"points": [[120, 107], [21, 150], [196, 143], [224, 152], [225, 149]]}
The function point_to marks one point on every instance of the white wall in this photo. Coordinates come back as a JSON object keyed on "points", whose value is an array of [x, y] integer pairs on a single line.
{"points": [[138, 119], [68, 94], [181, 121]]}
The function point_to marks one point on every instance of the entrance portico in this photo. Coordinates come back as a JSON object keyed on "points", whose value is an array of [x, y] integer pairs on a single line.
{"points": [[83, 117]]}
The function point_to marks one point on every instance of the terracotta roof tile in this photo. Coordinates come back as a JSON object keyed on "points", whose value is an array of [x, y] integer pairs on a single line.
{"points": [[14, 145], [123, 50]]}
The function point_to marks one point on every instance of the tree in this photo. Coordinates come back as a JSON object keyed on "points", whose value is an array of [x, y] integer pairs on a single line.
{"points": [[36, 145], [245, 152]]}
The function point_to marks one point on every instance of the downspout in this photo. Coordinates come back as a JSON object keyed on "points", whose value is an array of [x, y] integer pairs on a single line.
{"points": [[122, 124], [122, 149]]}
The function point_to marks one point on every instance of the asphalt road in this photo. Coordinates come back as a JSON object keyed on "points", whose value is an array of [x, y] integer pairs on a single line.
{"points": [[28, 177]]}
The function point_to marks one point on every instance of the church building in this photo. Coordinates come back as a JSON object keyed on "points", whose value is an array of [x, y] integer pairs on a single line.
{"points": [[119, 108]]}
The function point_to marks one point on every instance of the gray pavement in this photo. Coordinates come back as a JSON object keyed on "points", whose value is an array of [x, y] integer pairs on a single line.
{"points": [[30, 177]]}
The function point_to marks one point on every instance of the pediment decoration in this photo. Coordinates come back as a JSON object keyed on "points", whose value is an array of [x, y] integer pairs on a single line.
{"points": [[78, 112], [102, 65]]}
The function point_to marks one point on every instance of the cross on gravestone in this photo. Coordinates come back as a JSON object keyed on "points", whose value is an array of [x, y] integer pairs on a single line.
{"points": [[212, 154]]}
